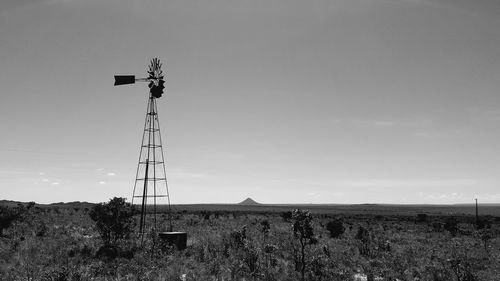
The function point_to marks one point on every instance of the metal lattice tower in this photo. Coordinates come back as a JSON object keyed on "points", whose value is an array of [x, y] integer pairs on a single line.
{"points": [[151, 181], [150, 187]]}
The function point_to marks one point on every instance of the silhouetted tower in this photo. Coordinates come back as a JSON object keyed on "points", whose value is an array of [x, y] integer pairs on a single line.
{"points": [[150, 186]]}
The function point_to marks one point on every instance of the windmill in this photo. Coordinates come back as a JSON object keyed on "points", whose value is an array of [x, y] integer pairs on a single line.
{"points": [[150, 182]]}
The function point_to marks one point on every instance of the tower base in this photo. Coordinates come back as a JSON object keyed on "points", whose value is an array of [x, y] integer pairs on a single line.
{"points": [[177, 239]]}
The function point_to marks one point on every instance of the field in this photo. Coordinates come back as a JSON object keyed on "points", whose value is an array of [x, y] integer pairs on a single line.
{"points": [[360, 209], [235, 242]]}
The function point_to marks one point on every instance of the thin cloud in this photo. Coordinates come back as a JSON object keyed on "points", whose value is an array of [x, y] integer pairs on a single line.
{"points": [[440, 134], [480, 115], [458, 197], [464, 122], [395, 183], [374, 183], [365, 122], [489, 197], [15, 173], [183, 173], [476, 7], [336, 194], [403, 122], [415, 2], [12, 4]]}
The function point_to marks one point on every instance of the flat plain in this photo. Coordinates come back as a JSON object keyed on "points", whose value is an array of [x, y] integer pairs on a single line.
{"points": [[258, 242]]}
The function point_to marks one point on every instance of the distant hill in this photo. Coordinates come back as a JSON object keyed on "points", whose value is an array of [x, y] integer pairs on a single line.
{"points": [[10, 203], [75, 204], [248, 201]]}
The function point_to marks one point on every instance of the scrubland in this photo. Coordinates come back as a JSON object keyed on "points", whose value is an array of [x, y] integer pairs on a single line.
{"points": [[64, 244]]}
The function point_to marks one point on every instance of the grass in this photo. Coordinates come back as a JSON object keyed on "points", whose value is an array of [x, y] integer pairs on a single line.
{"points": [[226, 242]]}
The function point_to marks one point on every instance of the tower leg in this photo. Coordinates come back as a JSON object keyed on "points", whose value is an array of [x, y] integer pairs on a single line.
{"points": [[144, 200]]}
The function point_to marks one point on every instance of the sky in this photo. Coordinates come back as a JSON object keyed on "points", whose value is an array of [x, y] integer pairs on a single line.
{"points": [[283, 101]]}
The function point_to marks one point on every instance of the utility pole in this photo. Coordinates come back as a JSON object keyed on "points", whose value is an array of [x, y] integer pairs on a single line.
{"points": [[477, 216]]}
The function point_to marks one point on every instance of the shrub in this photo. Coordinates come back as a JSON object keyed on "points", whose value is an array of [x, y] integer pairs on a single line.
{"points": [[303, 231], [7, 217], [266, 227], [251, 259], [437, 226], [363, 235], [483, 223], [114, 220], [451, 225], [336, 228], [286, 216], [239, 237], [30, 205], [485, 234], [421, 218]]}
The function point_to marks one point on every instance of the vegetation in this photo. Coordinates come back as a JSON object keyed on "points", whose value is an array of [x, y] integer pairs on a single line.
{"points": [[304, 232], [60, 243], [113, 220], [336, 228], [7, 217]]}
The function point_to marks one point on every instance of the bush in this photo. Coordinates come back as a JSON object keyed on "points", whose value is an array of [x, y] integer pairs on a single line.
{"points": [[303, 231], [286, 216], [363, 236], [266, 227], [483, 223], [336, 228], [421, 218], [7, 217], [238, 238], [451, 224], [114, 220]]}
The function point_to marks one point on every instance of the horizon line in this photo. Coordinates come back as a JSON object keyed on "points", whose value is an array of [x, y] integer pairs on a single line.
{"points": [[269, 204]]}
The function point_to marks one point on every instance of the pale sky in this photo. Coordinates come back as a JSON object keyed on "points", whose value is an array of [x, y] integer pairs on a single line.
{"points": [[283, 101]]}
